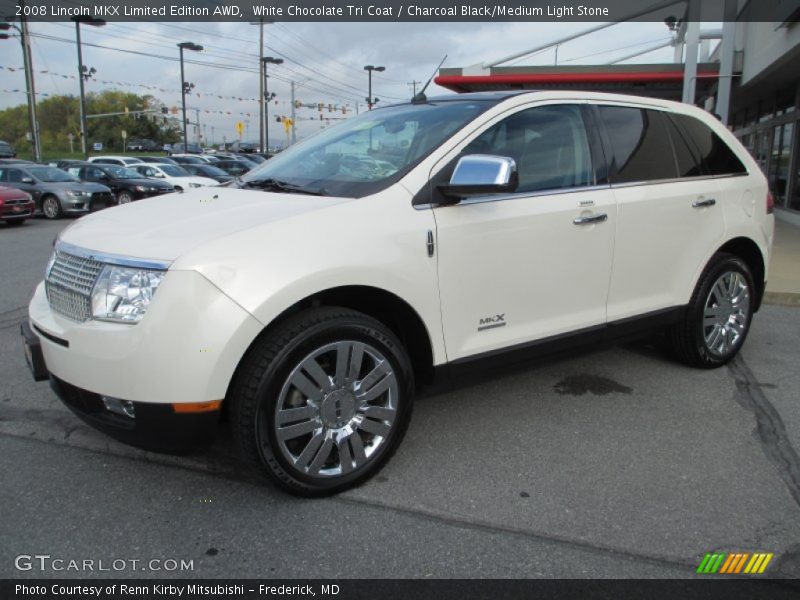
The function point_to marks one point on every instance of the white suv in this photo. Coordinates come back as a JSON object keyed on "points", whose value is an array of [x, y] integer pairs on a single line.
{"points": [[309, 299]]}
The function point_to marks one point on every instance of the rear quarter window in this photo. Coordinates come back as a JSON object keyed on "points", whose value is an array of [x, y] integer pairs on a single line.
{"points": [[716, 156]]}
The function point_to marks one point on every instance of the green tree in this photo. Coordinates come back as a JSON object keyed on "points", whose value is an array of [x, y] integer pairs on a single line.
{"points": [[60, 115]]}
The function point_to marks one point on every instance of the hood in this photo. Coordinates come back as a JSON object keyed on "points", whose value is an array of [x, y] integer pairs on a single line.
{"points": [[166, 227]]}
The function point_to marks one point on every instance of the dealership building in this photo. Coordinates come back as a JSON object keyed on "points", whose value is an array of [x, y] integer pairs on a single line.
{"points": [[745, 71]]}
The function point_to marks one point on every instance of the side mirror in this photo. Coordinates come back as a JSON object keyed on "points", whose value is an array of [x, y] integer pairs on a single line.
{"points": [[477, 174], [27, 180], [159, 175]]}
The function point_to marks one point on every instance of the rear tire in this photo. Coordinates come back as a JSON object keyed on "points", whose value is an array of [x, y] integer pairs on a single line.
{"points": [[322, 400], [719, 314]]}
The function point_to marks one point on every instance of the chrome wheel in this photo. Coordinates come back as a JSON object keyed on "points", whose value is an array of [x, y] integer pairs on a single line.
{"points": [[51, 208], [124, 198], [336, 409], [726, 313]]}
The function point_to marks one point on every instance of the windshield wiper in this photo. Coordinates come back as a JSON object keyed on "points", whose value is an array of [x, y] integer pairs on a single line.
{"points": [[280, 186]]}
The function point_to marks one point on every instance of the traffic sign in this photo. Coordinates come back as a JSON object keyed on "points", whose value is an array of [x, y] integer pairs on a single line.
{"points": [[239, 128]]}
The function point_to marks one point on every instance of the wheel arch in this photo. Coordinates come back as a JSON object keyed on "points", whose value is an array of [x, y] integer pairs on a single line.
{"points": [[384, 306], [747, 250]]}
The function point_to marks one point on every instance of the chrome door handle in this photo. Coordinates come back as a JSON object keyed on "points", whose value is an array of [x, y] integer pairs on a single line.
{"points": [[589, 219], [703, 203]]}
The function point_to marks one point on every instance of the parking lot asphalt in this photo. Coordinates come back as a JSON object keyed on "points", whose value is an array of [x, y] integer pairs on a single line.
{"points": [[612, 463]]}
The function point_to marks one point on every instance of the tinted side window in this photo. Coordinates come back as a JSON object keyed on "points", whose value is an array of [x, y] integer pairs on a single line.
{"points": [[689, 163], [548, 143], [717, 158], [640, 144]]}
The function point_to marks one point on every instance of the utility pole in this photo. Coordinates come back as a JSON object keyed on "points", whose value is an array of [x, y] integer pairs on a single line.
{"points": [[294, 134], [413, 85], [83, 74], [261, 87], [30, 88], [212, 136]]}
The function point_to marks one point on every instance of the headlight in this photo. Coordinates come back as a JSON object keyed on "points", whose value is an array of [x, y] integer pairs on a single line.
{"points": [[77, 193], [141, 188], [195, 185], [123, 294]]}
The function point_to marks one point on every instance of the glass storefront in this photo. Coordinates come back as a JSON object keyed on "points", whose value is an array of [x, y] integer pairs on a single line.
{"points": [[769, 130]]}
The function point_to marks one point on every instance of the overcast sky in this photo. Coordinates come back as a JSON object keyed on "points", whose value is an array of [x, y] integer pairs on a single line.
{"points": [[325, 59]]}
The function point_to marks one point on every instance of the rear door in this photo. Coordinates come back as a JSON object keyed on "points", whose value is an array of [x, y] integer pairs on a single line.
{"points": [[668, 219], [535, 263]]}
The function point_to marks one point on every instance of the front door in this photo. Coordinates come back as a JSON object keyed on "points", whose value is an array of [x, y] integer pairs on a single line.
{"points": [[535, 263]]}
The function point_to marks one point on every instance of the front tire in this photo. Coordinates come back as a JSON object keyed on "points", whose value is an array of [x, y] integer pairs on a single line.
{"points": [[322, 400], [719, 314], [51, 207], [124, 198]]}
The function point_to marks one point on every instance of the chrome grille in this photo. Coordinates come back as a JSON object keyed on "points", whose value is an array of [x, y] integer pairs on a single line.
{"points": [[69, 285]]}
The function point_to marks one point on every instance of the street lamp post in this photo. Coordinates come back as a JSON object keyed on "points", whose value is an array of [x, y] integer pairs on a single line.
{"points": [[267, 97], [369, 69], [84, 74], [185, 86]]}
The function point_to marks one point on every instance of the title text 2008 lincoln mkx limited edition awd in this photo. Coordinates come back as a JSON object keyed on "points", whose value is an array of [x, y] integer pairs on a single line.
{"points": [[310, 298]]}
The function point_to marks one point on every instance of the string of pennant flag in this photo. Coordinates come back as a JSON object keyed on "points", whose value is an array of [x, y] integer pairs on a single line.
{"points": [[208, 111], [298, 104]]}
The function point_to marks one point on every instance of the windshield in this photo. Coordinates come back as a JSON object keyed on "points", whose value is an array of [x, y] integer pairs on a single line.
{"points": [[51, 174], [173, 170], [121, 172], [367, 153]]}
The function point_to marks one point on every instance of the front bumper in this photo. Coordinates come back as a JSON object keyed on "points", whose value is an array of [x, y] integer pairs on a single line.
{"points": [[16, 211], [185, 350], [154, 427]]}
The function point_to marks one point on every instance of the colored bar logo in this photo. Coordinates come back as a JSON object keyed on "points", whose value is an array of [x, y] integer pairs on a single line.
{"points": [[734, 563]]}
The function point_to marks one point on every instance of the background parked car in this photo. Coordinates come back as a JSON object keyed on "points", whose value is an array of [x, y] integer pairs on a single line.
{"points": [[122, 161], [234, 167], [7, 150], [190, 148], [126, 184], [162, 160], [187, 159], [179, 178], [211, 171], [56, 192], [15, 205], [65, 163]]}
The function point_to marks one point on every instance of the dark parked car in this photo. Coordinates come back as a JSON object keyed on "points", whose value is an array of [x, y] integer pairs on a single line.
{"points": [[15, 205], [127, 184], [143, 145], [163, 160], [54, 191], [184, 159], [234, 167], [66, 163], [211, 171], [7, 150]]}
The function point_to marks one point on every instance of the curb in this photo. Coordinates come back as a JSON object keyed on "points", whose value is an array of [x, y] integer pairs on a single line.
{"points": [[781, 299]]}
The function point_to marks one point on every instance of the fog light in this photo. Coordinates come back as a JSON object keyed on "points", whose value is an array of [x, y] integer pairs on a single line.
{"points": [[124, 408]]}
